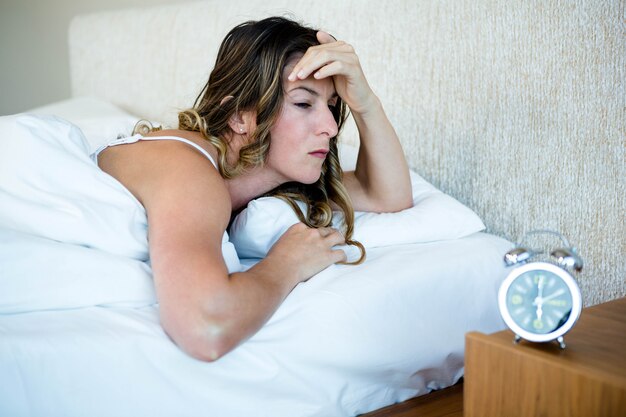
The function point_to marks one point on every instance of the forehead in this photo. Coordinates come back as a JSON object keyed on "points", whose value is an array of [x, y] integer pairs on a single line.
{"points": [[324, 87]]}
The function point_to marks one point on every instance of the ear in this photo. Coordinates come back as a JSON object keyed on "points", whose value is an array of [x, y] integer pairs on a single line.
{"points": [[235, 121], [243, 122], [225, 99]]}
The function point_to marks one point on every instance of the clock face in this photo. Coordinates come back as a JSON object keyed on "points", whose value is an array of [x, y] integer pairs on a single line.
{"points": [[539, 301]]}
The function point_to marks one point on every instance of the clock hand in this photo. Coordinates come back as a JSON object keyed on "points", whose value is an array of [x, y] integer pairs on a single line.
{"points": [[539, 299], [551, 296]]}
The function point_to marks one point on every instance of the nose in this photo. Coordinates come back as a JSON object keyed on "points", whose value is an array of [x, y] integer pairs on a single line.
{"points": [[327, 124]]}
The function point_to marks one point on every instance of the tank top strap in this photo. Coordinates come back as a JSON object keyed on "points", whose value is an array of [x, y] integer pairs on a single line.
{"points": [[187, 141], [138, 137]]}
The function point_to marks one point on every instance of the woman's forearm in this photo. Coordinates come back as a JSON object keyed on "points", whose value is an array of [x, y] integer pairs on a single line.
{"points": [[254, 297], [381, 170], [229, 311], [234, 311]]}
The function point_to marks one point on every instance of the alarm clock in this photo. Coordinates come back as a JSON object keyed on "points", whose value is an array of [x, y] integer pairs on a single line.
{"points": [[539, 300]]}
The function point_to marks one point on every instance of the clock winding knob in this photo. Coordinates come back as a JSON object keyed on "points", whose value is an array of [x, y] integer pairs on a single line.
{"points": [[567, 257], [517, 255]]}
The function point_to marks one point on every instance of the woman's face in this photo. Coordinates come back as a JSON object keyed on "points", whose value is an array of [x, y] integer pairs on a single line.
{"points": [[301, 135]]}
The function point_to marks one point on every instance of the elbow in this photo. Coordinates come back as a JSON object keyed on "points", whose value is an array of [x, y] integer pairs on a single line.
{"points": [[206, 342], [394, 201], [205, 350], [404, 200], [403, 204], [394, 205]]}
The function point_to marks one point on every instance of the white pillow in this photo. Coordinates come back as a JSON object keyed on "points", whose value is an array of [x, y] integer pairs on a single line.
{"points": [[99, 120], [435, 216]]}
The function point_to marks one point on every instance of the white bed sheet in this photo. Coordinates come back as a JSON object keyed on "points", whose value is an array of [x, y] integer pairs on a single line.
{"points": [[350, 340]]}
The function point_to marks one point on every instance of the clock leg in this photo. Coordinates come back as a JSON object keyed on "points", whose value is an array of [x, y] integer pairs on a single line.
{"points": [[517, 339], [561, 342]]}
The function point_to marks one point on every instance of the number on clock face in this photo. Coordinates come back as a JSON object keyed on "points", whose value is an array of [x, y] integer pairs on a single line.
{"points": [[539, 301]]}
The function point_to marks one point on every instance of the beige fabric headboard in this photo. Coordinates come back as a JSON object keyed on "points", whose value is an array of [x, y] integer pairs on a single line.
{"points": [[516, 108]]}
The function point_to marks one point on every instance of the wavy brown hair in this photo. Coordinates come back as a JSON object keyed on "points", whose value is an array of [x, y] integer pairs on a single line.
{"points": [[249, 68]]}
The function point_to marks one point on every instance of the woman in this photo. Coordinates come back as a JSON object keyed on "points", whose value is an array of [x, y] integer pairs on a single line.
{"points": [[269, 115]]}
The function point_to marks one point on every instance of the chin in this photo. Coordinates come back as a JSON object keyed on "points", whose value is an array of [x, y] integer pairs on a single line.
{"points": [[309, 179]]}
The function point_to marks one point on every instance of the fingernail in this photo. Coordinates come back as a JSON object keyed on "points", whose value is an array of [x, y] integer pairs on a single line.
{"points": [[291, 77], [301, 74]]}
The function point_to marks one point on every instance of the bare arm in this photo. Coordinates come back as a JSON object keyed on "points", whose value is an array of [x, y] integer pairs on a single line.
{"points": [[206, 311], [381, 179]]}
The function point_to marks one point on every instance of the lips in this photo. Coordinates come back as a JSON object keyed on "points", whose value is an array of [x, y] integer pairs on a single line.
{"points": [[319, 153]]}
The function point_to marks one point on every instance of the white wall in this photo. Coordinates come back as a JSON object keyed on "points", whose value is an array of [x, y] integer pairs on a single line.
{"points": [[34, 68]]}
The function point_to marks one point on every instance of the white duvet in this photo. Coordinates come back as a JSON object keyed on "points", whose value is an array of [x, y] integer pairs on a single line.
{"points": [[61, 216], [79, 328]]}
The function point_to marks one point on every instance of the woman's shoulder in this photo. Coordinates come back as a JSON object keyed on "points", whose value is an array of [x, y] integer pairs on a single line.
{"points": [[186, 135], [154, 171]]}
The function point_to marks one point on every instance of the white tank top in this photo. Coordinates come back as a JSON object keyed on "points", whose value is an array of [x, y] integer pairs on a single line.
{"points": [[138, 137]]}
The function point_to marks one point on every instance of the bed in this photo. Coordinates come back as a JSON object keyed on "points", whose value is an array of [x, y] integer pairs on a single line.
{"points": [[79, 326]]}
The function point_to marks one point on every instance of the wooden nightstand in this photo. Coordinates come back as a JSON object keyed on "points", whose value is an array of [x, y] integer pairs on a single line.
{"points": [[586, 379]]}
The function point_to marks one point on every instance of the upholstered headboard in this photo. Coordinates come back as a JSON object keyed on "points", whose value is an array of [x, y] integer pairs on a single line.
{"points": [[517, 108]]}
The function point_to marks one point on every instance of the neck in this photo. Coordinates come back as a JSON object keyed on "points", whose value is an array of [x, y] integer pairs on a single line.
{"points": [[253, 182], [250, 185]]}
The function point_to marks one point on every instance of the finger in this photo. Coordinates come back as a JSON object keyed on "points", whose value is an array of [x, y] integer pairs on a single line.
{"points": [[335, 238], [319, 55], [339, 255], [325, 37], [313, 60], [325, 231], [334, 68]]}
